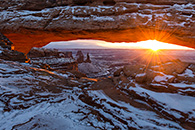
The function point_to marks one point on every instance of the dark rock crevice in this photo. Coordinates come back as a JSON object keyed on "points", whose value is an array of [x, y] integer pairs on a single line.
{"points": [[82, 2], [109, 2]]}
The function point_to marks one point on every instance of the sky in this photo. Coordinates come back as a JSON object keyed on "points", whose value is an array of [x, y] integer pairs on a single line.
{"points": [[98, 44]]}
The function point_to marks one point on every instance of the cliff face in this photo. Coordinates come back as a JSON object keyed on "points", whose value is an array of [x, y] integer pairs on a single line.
{"points": [[7, 52], [38, 22]]}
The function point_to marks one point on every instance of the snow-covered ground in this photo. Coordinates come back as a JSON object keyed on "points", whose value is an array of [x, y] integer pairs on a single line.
{"points": [[33, 98]]}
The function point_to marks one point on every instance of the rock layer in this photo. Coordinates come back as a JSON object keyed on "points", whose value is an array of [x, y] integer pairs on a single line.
{"points": [[52, 59], [7, 52], [36, 23], [34, 98], [30, 97]]}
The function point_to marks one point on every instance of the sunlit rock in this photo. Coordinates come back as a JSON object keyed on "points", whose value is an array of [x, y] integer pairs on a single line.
{"points": [[132, 70], [169, 68], [141, 78], [147, 76]]}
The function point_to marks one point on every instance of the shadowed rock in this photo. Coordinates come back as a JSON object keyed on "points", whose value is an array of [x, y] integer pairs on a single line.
{"points": [[7, 53], [13, 56], [5, 40], [118, 72], [80, 57], [132, 70], [88, 60], [42, 52]]}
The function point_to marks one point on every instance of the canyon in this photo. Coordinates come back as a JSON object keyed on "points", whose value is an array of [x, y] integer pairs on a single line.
{"points": [[36, 23], [135, 96], [50, 89]]}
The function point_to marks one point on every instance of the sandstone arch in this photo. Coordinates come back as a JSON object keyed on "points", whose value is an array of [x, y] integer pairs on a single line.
{"points": [[36, 23]]}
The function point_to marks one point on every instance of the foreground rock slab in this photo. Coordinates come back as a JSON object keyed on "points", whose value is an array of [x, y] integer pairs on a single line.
{"points": [[30, 96]]}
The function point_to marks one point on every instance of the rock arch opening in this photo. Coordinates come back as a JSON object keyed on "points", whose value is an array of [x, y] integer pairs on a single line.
{"points": [[27, 39], [100, 44]]}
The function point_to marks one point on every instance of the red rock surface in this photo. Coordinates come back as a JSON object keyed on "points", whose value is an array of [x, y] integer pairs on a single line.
{"points": [[7, 52], [31, 96]]}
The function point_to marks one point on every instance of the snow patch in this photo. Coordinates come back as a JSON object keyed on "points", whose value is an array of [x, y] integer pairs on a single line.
{"points": [[164, 78], [103, 18], [183, 85], [187, 73], [141, 75]]}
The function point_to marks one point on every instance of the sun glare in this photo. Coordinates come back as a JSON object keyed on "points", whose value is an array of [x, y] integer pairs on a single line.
{"points": [[153, 45], [154, 49], [149, 44], [156, 45], [98, 44]]}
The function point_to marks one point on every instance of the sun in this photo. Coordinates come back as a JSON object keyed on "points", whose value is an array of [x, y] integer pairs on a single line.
{"points": [[155, 48], [157, 45], [154, 45]]}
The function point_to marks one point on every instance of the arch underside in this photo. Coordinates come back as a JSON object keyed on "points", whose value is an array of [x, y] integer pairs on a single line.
{"points": [[25, 41]]}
